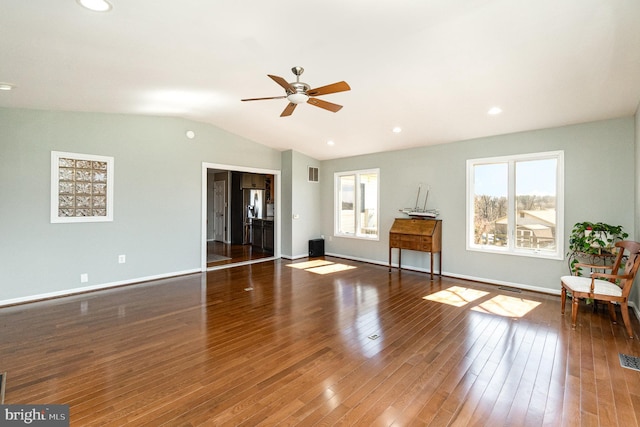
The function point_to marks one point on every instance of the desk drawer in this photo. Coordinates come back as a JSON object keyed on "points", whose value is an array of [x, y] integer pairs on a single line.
{"points": [[405, 241], [426, 244]]}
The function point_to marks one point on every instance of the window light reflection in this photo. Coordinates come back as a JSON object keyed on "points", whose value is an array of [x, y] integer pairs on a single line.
{"points": [[503, 305], [456, 296], [333, 268], [321, 266], [309, 264]]}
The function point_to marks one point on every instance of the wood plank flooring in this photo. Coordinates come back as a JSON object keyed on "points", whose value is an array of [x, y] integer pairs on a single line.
{"points": [[269, 344], [234, 253]]}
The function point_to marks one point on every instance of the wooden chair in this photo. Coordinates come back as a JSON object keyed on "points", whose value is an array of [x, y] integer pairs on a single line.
{"points": [[611, 287]]}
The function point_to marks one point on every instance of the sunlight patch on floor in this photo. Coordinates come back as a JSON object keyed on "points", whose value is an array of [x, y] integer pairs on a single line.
{"points": [[321, 266], [333, 268], [456, 296], [309, 264], [503, 305]]}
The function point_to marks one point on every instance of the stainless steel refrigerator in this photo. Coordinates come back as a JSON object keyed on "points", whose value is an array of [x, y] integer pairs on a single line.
{"points": [[255, 206]]}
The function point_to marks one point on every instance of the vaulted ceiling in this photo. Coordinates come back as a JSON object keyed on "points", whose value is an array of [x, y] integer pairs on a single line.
{"points": [[432, 67]]}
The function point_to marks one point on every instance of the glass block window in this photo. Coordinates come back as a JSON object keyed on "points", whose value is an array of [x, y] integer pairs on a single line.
{"points": [[81, 187]]}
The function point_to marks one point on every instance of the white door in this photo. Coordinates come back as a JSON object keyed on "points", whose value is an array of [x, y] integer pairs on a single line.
{"points": [[219, 209]]}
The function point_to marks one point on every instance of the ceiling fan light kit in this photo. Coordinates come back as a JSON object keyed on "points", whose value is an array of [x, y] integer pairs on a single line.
{"points": [[299, 92]]}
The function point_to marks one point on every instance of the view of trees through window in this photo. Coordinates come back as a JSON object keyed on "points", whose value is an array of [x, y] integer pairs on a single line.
{"points": [[515, 203]]}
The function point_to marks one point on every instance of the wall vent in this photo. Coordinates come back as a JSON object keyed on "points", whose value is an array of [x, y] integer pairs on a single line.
{"points": [[313, 174]]}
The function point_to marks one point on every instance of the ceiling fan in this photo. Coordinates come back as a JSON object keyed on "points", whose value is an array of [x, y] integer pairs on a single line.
{"points": [[299, 92]]}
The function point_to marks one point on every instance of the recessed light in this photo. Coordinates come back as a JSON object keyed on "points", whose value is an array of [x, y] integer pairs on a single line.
{"points": [[494, 111], [6, 86], [95, 5], [190, 134], [396, 129], [331, 143]]}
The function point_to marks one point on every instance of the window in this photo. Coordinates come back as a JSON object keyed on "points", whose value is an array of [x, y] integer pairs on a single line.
{"points": [[81, 187], [357, 204], [515, 204]]}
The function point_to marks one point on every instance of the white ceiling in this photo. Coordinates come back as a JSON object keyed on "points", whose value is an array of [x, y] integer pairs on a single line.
{"points": [[433, 67]]}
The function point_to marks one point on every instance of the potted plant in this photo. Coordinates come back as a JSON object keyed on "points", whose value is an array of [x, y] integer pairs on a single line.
{"points": [[593, 242]]}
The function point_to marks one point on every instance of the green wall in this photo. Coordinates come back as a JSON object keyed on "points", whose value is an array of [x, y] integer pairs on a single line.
{"points": [[157, 206], [599, 186], [157, 200]]}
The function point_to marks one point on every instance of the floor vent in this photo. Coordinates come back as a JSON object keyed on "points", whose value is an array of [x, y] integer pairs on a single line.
{"points": [[630, 362], [507, 288], [374, 337]]}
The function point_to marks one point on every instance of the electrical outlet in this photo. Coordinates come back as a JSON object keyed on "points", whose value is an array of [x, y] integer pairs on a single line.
{"points": [[84, 278], [122, 259]]}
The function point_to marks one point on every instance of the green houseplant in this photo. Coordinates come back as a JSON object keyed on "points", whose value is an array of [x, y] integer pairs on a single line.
{"points": [[593, 242]]}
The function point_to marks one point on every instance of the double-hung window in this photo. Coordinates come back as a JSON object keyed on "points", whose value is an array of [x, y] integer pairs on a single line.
{"points": [[357, 203], [515, 204]]}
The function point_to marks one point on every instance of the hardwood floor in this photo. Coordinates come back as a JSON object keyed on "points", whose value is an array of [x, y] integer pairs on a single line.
{"points": [[270, 344], [232, 254]]}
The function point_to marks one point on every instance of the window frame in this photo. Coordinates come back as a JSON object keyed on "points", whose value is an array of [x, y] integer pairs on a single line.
{"points": [[56, 193], [511, 248], [357, 203]]}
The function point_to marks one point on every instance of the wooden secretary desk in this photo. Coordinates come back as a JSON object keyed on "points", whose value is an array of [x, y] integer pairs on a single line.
{"points": [[424, 235]]}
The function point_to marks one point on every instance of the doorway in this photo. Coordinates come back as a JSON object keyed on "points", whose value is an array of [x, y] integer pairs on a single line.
{"points": [[221, 201]]}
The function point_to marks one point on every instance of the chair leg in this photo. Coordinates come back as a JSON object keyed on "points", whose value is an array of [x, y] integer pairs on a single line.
{"points": [[574, 311], [612, 313], [563, 299], [625, 318]]}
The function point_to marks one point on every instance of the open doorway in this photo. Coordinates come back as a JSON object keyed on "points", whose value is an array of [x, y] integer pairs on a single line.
{"points": [[240, 221]]}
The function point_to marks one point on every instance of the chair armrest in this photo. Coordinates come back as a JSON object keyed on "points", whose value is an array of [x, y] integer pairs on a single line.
{"points": [[610, 276], [593, 266]]}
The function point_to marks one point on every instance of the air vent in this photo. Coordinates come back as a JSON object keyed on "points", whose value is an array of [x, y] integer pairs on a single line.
{"points": [[629, 362], [313, 174]]}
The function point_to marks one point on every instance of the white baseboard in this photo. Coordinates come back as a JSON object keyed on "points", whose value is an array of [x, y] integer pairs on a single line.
{"points": [[475, 279], [294, 257], [68, 292]]}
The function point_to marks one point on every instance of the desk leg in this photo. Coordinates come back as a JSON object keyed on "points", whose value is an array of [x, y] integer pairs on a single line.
{"points": [[399, 259], [389, 259], [440, 263], [431, 268]]}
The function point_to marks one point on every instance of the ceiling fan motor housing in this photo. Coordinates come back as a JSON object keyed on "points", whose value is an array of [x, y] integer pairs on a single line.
{"points": [[300, 94]]}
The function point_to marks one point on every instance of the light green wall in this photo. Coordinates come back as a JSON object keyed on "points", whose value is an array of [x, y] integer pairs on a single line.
{"points": [[599, 179], [287, 203], [157, 204], [157, 217], [307, 222], [635, 291], [301, 217]]}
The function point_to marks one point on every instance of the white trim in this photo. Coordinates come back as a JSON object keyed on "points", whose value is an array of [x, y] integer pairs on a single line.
{"points": [[55, 187], [511, 160], [241, 263], [456, 276], [356, 203], [74, 291], [234, 168]]}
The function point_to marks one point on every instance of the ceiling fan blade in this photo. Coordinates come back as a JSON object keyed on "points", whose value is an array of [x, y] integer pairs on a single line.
{"points": [[288, 110], [324, 104], [282, 82], [260, 99], [332, 88]]}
